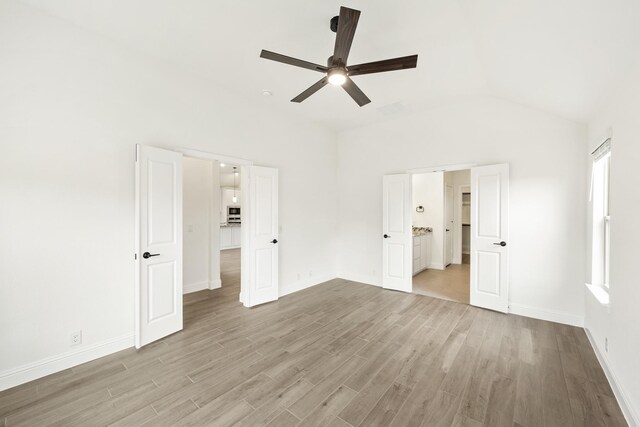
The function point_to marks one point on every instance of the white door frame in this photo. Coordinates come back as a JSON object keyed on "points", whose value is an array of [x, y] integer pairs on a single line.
{"points": [[447, 168], [458, 215], [245, 214], [451, 168]]}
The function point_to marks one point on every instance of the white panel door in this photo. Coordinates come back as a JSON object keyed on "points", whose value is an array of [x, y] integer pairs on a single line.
{"points": [[489, 237], [158, 243], [448, 224], [262, 283], [397, 234]]}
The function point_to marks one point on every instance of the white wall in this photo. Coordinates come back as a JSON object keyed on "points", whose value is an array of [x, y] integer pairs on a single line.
{"points": [[197, 200], [548, 188], [428, 192], [620, 322], [72, 107]]}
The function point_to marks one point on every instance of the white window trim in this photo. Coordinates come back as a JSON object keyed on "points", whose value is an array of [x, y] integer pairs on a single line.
{"points": [[601, 226]]}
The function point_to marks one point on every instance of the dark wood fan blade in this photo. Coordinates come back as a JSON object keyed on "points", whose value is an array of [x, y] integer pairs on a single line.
{"points": [[383, 66], [347, 23], [292, 61], [313, 89], [354, 91]]}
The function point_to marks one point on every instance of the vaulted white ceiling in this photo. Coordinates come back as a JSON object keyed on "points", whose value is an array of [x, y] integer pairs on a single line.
{"points": [[561, 56]]}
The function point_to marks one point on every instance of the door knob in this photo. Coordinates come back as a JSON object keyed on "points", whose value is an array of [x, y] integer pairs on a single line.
{"points": [[148, 255], [503, 243], [274, 241], [386, 236]]}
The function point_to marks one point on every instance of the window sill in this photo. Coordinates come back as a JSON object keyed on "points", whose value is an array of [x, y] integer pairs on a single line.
{"points": [[600, 294]]}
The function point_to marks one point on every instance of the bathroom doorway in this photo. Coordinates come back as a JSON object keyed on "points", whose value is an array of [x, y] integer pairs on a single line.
{"points": [[441, 225]]}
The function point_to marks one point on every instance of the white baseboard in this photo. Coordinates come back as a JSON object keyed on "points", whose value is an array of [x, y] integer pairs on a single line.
{"points": [[456, 261], [50, 365], [552, 316], [199, 286], [361, 278], [437, 266], [519, 309], [633, 419], [187, 288], [304, 284], [215, 284]]}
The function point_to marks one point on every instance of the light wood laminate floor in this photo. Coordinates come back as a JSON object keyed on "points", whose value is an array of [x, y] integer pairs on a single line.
{"points": [[451, 283], [338, 354]]}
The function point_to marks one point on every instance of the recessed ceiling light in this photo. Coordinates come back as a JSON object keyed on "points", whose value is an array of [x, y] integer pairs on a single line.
{"points": [[222, 164], [267, 92]]}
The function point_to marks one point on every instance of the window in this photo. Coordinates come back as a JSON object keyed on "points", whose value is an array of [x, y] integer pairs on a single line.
{"points": [[601, 215]]}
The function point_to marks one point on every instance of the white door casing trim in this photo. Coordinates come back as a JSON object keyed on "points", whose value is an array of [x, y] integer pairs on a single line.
{"points": [[246, 218], [440, 168], [216, 282]]}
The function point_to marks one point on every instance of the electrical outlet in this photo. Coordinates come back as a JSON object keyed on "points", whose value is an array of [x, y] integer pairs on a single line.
{"points": [[310, 273], [76, 338], [298, 276], [606, 344]]}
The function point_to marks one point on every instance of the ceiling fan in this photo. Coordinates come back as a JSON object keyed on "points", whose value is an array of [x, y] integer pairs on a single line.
{"points": [[337, 72]]}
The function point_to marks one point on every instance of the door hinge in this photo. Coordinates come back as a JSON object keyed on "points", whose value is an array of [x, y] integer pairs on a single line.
{"points": [[135, 256]]}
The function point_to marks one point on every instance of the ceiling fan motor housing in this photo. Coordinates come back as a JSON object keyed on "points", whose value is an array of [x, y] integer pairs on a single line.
{"points": [[336, 71], [332, 64]]}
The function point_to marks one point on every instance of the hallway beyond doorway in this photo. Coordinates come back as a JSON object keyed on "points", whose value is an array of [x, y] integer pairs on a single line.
{"points": [[230, 267]]}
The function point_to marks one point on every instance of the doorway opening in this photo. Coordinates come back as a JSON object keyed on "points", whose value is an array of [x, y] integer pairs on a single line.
{"points": [[407, 250], [441, 226], [160, 230], [230, 219], [212, 233]]}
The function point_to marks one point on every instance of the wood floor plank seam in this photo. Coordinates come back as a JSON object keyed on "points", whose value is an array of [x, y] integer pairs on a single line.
{"points": [[339, 353]]}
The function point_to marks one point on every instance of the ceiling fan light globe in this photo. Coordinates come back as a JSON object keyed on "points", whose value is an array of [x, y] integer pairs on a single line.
{"points": [[337, 77]]}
